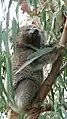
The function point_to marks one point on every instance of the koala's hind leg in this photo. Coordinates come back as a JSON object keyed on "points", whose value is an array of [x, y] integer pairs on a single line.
{"points": [[24, 95]]}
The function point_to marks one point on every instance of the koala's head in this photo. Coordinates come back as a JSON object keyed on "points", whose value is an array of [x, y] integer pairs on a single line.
{"points": [[32, 35]]}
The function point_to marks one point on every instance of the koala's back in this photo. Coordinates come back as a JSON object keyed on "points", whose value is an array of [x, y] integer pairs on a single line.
{"points": [[27, 82], [18, 59], [28, 36]]}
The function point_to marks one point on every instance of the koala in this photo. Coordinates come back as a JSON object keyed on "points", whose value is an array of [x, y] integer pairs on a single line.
{"points": [[27, 82]]}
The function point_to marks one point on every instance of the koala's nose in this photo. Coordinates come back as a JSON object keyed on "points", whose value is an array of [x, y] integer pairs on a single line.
{"points": [[36, 31]]}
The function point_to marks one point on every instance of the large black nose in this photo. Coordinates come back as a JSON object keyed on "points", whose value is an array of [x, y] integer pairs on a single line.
{"points": [[36, 31]]}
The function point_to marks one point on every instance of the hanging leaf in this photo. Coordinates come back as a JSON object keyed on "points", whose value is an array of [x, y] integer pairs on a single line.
{"points": [[8, 80], [0, 36], [35, 56], [10, 2], [43, 18], [5, 39], [2, 89], [14, 32], [10, 88]]}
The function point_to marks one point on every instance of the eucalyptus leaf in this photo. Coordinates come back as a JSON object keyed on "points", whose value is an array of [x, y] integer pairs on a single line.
{"points": [[5, 39], [10, 88], [43, 18], [40, 52], [0, 36], [2, 88], [10, 2], [14, 32], [8, 80], [35, 56]]}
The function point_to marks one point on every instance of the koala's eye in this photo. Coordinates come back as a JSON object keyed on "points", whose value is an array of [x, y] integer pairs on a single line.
{"points": [[27, 29], [34, 27]]}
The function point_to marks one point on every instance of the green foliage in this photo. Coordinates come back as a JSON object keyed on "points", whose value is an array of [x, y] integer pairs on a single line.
{"points": [[7, 93], [3, 104], [51, 18]]}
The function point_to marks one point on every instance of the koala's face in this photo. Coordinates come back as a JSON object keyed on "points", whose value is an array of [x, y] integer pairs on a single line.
{"points": [[32, 35]]}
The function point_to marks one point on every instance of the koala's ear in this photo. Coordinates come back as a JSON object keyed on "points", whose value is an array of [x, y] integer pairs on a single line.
{"points": [[36, 21]]}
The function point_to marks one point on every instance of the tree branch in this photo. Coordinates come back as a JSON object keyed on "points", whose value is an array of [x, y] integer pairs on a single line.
{"points": [[63, 39], [45, 88], [50, 79]]}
